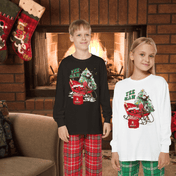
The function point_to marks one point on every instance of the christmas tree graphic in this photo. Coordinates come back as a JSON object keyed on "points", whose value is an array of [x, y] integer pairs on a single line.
{"points": [[143, 102], [87, 77]]}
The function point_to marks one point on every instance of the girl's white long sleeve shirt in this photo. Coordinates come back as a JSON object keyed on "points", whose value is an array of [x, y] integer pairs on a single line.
{"points": [[141, 119]]}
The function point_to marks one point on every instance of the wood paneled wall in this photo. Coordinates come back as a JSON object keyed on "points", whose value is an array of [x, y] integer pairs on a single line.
{"points": [[96, 12]]}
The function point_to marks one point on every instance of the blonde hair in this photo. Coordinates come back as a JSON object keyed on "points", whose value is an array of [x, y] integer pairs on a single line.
{"points": [[75, 25], [140, 41]]}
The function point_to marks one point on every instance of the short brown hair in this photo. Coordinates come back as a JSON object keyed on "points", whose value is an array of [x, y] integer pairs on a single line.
{"points": [[75, 25]]}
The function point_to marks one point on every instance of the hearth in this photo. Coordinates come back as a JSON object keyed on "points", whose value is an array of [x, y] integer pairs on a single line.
{"points": [[51, 45]]}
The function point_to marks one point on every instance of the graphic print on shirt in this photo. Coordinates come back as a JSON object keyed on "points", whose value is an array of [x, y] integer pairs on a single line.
{"points": [[138, 112], [83, 86]]}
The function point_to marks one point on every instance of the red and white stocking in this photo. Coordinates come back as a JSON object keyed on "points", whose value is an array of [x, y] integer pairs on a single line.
{"points": [[26, 25], [8, 14]]}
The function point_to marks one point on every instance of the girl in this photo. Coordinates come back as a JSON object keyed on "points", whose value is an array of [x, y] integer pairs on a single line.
{"points": [[141, 116]]}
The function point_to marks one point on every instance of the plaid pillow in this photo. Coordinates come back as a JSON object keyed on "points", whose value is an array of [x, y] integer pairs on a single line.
{"points": [[7, 145]]}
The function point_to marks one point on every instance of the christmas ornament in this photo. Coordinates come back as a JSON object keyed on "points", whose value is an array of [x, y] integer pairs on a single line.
{"points": [[26, 25], [8, 14]]}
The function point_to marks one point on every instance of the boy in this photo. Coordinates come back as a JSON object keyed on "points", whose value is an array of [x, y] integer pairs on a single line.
{"points": [[81, 89]]}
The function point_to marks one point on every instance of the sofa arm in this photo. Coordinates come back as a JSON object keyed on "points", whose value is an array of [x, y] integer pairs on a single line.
{"points": [[36, 135]]}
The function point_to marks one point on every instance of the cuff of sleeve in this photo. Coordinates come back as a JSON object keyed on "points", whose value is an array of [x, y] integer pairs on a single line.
{"points": [[107, 120], [165, 148], [60, 122], [113, 147]]}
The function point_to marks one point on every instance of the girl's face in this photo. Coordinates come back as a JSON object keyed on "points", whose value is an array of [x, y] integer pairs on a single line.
{"points": [[143, 57]]}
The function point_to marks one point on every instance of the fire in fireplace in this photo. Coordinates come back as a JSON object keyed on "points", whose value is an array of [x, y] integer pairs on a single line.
{"points": [[51, 45]]}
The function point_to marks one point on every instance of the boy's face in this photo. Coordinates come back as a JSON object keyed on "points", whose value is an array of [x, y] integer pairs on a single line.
{"points": [[81, 38]]}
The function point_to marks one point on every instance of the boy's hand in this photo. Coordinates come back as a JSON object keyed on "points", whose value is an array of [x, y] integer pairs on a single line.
{"points": [[115, 161], [163, 160], [106, 129], [63, 133]]}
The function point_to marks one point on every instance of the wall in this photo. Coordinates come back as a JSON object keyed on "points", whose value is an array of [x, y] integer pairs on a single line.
{"points": [[162, 28], [12, 81], [159, 15]]}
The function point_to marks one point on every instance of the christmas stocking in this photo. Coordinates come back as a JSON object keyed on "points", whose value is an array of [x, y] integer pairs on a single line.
{"points": [[8, 14], [26, 25]]}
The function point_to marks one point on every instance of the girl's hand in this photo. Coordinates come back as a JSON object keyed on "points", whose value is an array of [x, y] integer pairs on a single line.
{"points": [[163, 160], [106, 129], [63, 133], [115, 161]]}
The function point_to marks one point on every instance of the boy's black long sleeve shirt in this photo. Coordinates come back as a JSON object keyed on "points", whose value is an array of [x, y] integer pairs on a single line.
{"points": [[81, 89]]}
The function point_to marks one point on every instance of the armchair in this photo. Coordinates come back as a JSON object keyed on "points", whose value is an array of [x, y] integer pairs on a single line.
{"points": [[37, 139]]}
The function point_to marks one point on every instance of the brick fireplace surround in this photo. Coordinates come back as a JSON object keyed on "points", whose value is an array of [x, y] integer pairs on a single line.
{"points": [[158, 15]]}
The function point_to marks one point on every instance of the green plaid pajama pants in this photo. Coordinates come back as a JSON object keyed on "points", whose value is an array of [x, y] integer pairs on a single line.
{"points": [[131, 168]]}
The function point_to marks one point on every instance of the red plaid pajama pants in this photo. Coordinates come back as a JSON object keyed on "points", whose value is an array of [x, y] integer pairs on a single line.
{"points": [[92, 144]]}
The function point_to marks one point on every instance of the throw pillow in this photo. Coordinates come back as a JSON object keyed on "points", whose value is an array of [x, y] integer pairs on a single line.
{"points": [[173, 124], [4, 109], [7, 144]]}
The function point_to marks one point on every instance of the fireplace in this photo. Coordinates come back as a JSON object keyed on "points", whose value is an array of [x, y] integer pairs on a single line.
{"points": [[109, 46], [51, 45]]}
